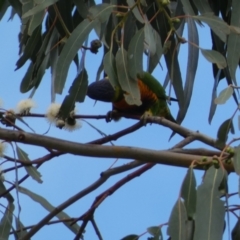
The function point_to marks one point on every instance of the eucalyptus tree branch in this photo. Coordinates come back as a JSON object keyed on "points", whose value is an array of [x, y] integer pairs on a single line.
{"points": [[119, 134], [91, 150], [199, 151], [123, 168], [184, 142], [87, 216], [52, 154], [96, 229], [49, 223], [184, 131]]}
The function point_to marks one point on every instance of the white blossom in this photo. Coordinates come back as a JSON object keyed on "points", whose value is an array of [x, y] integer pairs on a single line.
{"points": [[60, 123], [53, 111], [24, 106]]}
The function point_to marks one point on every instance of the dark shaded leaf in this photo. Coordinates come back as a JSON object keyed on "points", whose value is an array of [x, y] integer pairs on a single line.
{"points": [[64, 9], [27, 82], [32, 47], [41, 200], [67, 107], [53, 57], [236, 231], [43, 57], [73, 44], [236, 159], [213, 106], [79, 86], [130, 237], [39, 7], [224, 95], [226, 126], [4, 4], [6, 221], [192, 64], [210, 211], [110, 68], [214, 57], [111, 25], [17, 6], [177, 222], [129, 30], [32, 171], [3, 189], [233, 41], [129, 85], [135, 54], [189, 193]]}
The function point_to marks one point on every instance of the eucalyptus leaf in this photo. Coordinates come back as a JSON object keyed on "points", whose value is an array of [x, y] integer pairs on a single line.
{"points": [[220, 28], [236, 160], [135, 10], [6, 221], [39, 7], [214, 57], [32, 171], [129, 85], [49, 207], [177, 222], [224, 95], [70, 49], [210, 210], [135, 54], [224, 129], [110, 68]]}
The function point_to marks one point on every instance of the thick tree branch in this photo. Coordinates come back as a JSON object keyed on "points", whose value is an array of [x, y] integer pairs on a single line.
{"points": [[91, 150]]}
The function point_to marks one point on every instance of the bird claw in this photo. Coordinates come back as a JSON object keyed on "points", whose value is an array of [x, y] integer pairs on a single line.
{"points": [[145, 116], [111, 115]]}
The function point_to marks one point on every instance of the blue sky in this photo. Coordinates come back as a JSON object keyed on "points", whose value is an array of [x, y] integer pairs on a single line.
{"points": [[143, 202]]}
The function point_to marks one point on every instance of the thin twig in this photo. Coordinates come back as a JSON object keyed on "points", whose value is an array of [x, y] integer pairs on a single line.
{"points": [[96, 229]]}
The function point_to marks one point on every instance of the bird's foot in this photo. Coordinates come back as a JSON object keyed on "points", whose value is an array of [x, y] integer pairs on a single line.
{"points": [[112, 115], [145, 116]]}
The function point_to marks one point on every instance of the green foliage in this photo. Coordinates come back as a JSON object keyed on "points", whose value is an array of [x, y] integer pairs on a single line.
{"points": [[125, 32], [51, 36]]}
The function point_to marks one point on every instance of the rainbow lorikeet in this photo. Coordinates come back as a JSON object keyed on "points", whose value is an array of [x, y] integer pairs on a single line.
{"points": [[153, 97]]}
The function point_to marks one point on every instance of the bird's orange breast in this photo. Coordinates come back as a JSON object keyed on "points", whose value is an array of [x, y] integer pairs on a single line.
{"points": [[147, 98]]}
